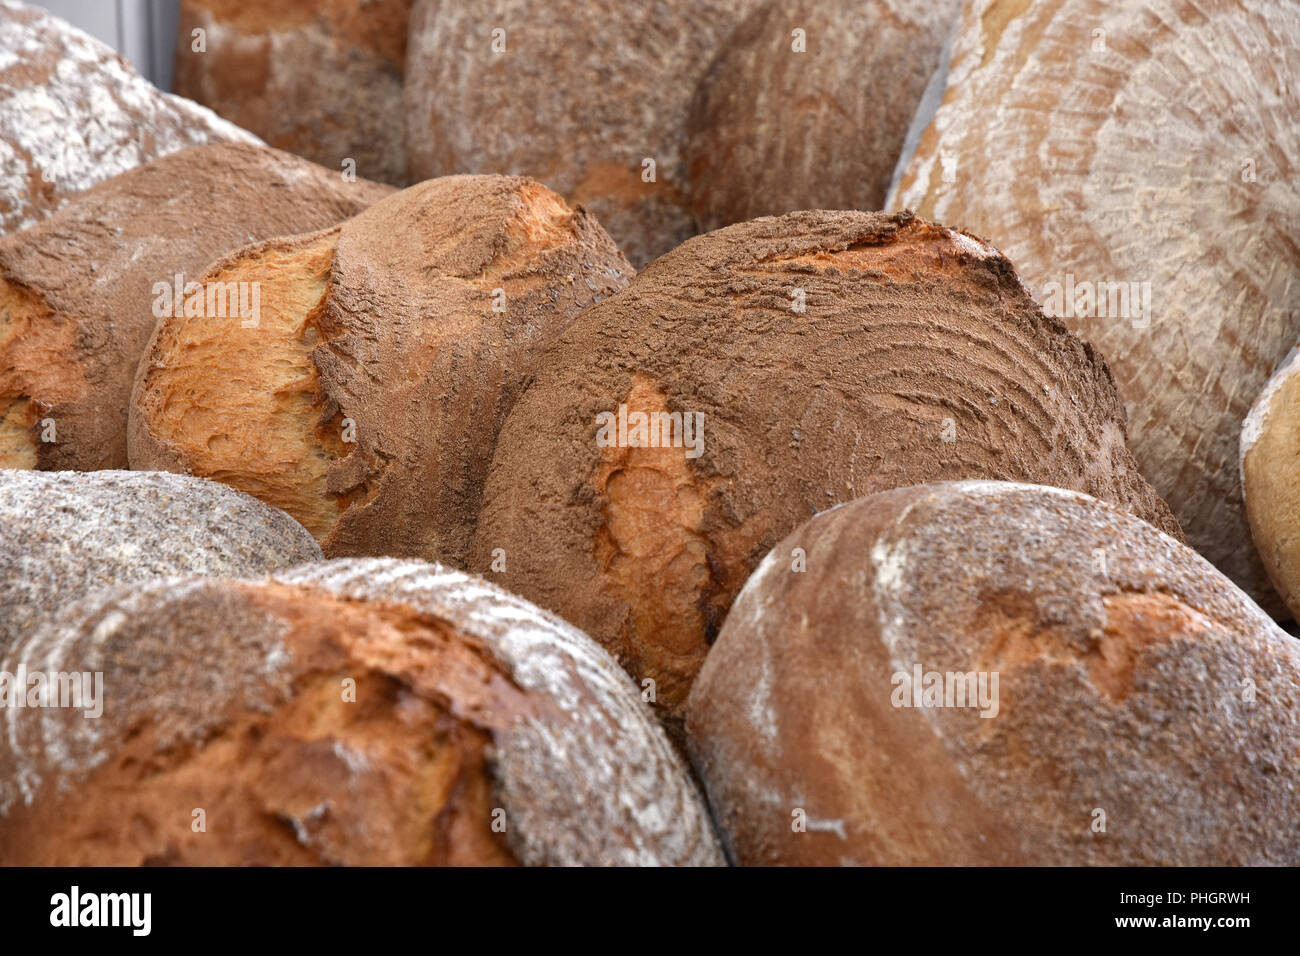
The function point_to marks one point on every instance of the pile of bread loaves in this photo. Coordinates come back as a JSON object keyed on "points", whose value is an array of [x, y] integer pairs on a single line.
{"points": [[349, 523]]}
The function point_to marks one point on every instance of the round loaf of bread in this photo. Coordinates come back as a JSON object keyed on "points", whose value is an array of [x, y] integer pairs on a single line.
{"points": [[65, 534], [589, 96], [356, 712], [1270, 478], [990, 673], [323, 80], [808, 104], [80, 293], [366, 399], [756, 376], [1137, 162], [73, 113]]}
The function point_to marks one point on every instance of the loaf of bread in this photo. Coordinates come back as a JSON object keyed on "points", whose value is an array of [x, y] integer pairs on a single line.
{"points": [[589, 96], [73, 113], [355, 712], [758, 375], [80, 293], [1137, 161], [66, 534], [808, 104], [990, 673], [323, 80], [367, 400], [1270, 478]]}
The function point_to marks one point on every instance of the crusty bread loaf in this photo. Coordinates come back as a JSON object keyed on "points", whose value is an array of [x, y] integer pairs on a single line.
{"points": [[363, 712], [581, 94], [66, 534], [1144, 709], [1270, 478], [367, 400], [808, 104], [1126, 151], [73, 113], [320, 79], [917, 356], [79, 292]]}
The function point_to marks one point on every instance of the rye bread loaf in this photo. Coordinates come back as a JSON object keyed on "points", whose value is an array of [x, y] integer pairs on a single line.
{"points": [[808, 104], [367, 400], [358, 712], [323, 80], [1270, 478], [66, 534], [80, 293], [1145, 711], [1126, 151], [582, 93], [73, 113], [917, 356]]}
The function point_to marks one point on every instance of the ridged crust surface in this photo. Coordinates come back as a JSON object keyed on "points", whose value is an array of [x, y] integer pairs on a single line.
{"points": [[918, 356], [73, 113], [1148, 713], [471, 707], [1142, 142]]}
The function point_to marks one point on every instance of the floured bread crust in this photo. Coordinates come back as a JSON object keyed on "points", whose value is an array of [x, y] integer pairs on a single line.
{"points": [[73, 113], [367, 400], [1056, 139], [1145, 708], [917, 356], [79, 292], [357, 712]]}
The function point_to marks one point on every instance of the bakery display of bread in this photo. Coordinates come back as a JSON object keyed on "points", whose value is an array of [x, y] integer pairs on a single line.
{"points": [[81, 291], [73, 113], [339, 63], [355, 712], [784, 119], [994, 673], [1270, 478], [780, 367], [1137, 162], [367, 399], [64, 535]]}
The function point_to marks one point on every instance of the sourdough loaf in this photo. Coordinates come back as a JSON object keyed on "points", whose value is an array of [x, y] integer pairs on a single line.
{"points": [[814, 357], [990, 673], [356, 712], [367, 400], [1137, 161], [323, 80], [73, 113], [80, 293], [66, 534], [807, 106]]}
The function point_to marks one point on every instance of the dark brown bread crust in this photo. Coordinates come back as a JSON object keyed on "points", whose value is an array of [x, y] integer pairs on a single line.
{"points": [[77, 290], [1134, 681], [910, 332]]}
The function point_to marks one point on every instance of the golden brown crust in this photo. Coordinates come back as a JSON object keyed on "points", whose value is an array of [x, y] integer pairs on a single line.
{"points": [[1144, 711], [911, 335]]}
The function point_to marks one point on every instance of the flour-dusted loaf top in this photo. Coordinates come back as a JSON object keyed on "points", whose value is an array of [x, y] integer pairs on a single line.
{"points": [[80, 292], [65, 534], [1164, 235], [365, 712], [73, 113], [1145, 711], [815, 357]]}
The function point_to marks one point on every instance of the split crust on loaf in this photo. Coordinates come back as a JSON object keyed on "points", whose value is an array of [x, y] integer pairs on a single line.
{"points": [[469, 707], [911, 334], [367, 399], [1154, 143], [80, 291], [1146, 708]]}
